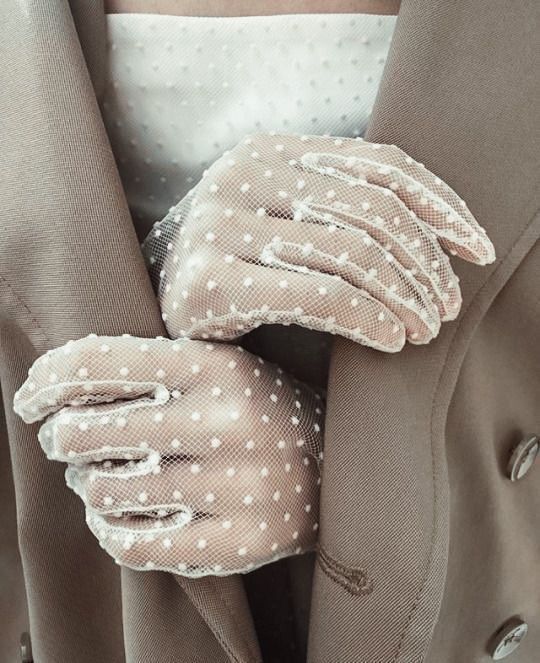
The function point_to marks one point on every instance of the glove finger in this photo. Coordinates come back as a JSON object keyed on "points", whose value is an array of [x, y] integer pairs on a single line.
{"points": [[244, 296], [144, 429], [427, 270], [388, 284], [217, 487], [206, 546], [257, 169], [380, 213], [322, 242], [233, 397], [101, 369], [431, 199], [417, 251]]}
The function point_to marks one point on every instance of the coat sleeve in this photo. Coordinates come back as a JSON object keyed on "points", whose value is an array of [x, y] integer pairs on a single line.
{"points": [[70, 264]]}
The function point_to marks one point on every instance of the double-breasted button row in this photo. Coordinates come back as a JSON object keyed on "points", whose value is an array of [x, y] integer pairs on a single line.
{"points": [[510, 635]]}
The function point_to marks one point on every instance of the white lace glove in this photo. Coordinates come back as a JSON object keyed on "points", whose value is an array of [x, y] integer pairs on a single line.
{"points": [[334, 234], [191, 457]]}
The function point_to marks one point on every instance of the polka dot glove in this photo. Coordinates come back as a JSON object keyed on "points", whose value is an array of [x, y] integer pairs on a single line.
{"points": [[338, 235], [191, 457]]}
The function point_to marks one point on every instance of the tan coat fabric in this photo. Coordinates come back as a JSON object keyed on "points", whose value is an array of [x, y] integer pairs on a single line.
{"points": [[427, 547]]}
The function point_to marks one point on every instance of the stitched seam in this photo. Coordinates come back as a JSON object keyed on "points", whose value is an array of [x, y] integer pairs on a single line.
{"points": [[222, 641], [29, 313], [238, 629], [355, 580], [421, 589]]}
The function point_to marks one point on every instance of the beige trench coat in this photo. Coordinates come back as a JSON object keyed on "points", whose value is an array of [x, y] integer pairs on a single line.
{"points": [[427, 547]]}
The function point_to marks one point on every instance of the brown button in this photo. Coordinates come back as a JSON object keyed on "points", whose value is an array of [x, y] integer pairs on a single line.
{"points": [[508, 638], [523, 457], [26, 648]]}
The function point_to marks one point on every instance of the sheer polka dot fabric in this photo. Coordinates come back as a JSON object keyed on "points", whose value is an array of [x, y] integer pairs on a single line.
{"points": [[191, 457], [334, 234], [182, 89]]}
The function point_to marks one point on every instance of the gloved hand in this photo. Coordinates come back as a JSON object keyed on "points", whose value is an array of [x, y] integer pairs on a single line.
{"points": [[334, 234], [190, 457]]}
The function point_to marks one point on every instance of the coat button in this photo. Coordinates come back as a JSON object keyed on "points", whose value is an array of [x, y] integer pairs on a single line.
{"points": [[26, 648], [523, 457], [508, 638]]}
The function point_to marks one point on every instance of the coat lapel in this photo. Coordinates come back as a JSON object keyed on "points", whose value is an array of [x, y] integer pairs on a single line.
{"points": [[79, 269], [459, 94]]}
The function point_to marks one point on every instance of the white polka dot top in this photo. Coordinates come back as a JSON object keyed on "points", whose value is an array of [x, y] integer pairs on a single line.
{"points": [[182, 90]]}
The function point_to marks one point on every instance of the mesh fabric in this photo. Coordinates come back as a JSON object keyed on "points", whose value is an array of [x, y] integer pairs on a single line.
{"points": [[190, 457], [193, 455], [334, 234]]}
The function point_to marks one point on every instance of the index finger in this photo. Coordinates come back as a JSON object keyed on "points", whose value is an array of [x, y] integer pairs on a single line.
{"points": [[102, 369], [425, 194]]}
